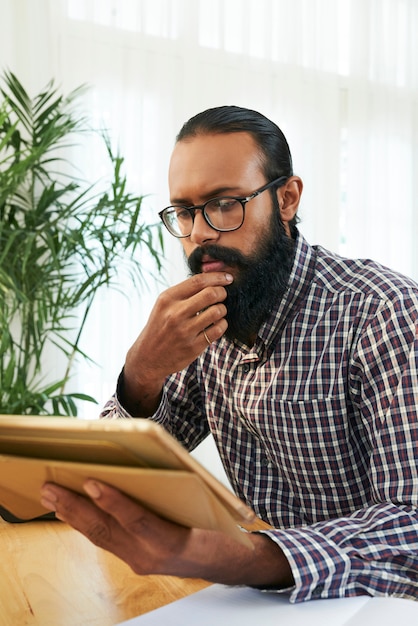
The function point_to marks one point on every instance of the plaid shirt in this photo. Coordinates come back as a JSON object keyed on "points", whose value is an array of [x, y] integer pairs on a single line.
{"points": [[317, 424]]}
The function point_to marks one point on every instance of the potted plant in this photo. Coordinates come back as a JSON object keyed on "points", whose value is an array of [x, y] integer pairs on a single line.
{"points": [[61, 240]]}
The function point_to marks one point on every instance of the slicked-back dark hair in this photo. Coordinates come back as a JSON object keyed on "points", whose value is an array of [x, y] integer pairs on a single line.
{"points": [[275, 153]]}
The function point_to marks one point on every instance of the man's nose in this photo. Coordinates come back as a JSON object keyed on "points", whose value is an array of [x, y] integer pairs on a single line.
{"points": [[202, 232]]}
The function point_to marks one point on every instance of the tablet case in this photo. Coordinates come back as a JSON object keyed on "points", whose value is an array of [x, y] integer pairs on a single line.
{"points": [[137, 456]]}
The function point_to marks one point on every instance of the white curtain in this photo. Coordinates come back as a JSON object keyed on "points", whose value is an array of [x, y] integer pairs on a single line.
{"points": [[339, 76]]}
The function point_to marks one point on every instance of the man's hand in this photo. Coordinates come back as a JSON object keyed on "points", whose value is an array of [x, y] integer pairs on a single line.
{"points": [[152, 545], [185, 318]]}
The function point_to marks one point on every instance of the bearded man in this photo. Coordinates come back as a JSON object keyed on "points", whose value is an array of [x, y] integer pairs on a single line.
{"points": [[303, 366]]}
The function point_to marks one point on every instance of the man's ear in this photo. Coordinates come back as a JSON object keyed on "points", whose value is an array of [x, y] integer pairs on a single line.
{"points": [[289, 197]]}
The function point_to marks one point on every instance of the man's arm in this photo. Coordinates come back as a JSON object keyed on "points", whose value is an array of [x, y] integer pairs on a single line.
{"points": [[173, 337], [375, 550]]}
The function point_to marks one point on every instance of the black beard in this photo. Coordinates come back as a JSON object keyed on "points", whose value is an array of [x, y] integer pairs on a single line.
{"points": [[260, 282]]}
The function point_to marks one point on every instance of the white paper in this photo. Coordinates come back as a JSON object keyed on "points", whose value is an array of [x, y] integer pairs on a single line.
{"points": [[386, 612], [219, 605]]}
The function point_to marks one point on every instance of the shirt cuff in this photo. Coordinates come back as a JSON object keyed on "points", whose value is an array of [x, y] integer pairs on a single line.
{"points": [[113, 408], [319, 568]]}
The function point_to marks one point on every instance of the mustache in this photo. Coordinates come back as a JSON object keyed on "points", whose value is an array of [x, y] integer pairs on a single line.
{"points": [[229, 256]]}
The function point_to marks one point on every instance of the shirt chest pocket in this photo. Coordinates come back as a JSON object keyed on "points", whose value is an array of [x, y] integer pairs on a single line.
{"points": [[314, 443]]}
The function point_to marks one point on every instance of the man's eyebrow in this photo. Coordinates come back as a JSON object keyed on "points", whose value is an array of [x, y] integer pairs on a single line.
{"points": [[214, 193]]}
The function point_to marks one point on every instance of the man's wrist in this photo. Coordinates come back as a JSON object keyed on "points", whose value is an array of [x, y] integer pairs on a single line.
{"points": [[138, 404]]}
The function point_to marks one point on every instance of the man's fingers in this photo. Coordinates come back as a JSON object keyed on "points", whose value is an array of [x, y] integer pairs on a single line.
{"points": [[115, 522], [79, 512], [205, 299], [196, 283], [98, 516], [82, 512], [131, 515]]}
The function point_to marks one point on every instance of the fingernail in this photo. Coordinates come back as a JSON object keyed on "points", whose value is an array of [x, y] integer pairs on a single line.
{"points": [[92, 489], [229, 277], [48, 499], [48, 504]]}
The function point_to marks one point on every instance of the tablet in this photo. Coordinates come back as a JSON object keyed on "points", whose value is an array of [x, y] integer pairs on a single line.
{"points": [[137, 456]]}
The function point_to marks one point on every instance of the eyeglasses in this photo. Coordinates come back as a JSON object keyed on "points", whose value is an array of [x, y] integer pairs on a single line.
{"points": [[223, 214]]}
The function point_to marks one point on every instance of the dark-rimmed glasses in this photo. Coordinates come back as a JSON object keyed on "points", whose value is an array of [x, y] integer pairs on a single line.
{"points": [[223, 214]]}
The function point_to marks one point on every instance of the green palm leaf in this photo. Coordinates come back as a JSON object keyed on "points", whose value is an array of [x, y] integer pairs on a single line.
{"points": [[60, 241]]}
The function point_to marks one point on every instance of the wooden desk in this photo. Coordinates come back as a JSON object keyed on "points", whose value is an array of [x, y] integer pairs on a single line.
{"points": [[50, 575]]}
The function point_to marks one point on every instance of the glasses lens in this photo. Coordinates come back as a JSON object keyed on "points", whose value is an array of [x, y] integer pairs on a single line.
{"points": [[179, 221], [222, 214], [225, 213]]}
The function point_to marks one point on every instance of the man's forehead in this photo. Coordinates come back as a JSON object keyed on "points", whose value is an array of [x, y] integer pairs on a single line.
{"points": [[209, 139], [219, 157]]}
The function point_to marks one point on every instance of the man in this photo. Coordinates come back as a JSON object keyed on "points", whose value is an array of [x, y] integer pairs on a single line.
{"points": [[302, 364]]}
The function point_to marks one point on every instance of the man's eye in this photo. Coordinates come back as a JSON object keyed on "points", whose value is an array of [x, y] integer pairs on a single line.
{"points": [[223, 203], [182, 214]]}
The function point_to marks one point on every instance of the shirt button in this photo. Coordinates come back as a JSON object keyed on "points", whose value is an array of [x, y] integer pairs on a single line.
{"points": [[246, 368], [262, 512], [264, 462]]}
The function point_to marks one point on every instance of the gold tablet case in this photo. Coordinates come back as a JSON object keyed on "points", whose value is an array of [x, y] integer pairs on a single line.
{"points": [[137, 456]]}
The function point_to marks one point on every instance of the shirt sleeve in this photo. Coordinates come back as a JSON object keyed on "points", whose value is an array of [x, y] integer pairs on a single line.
{"points": [[113, 408], [375, 550], [180, 411]]}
